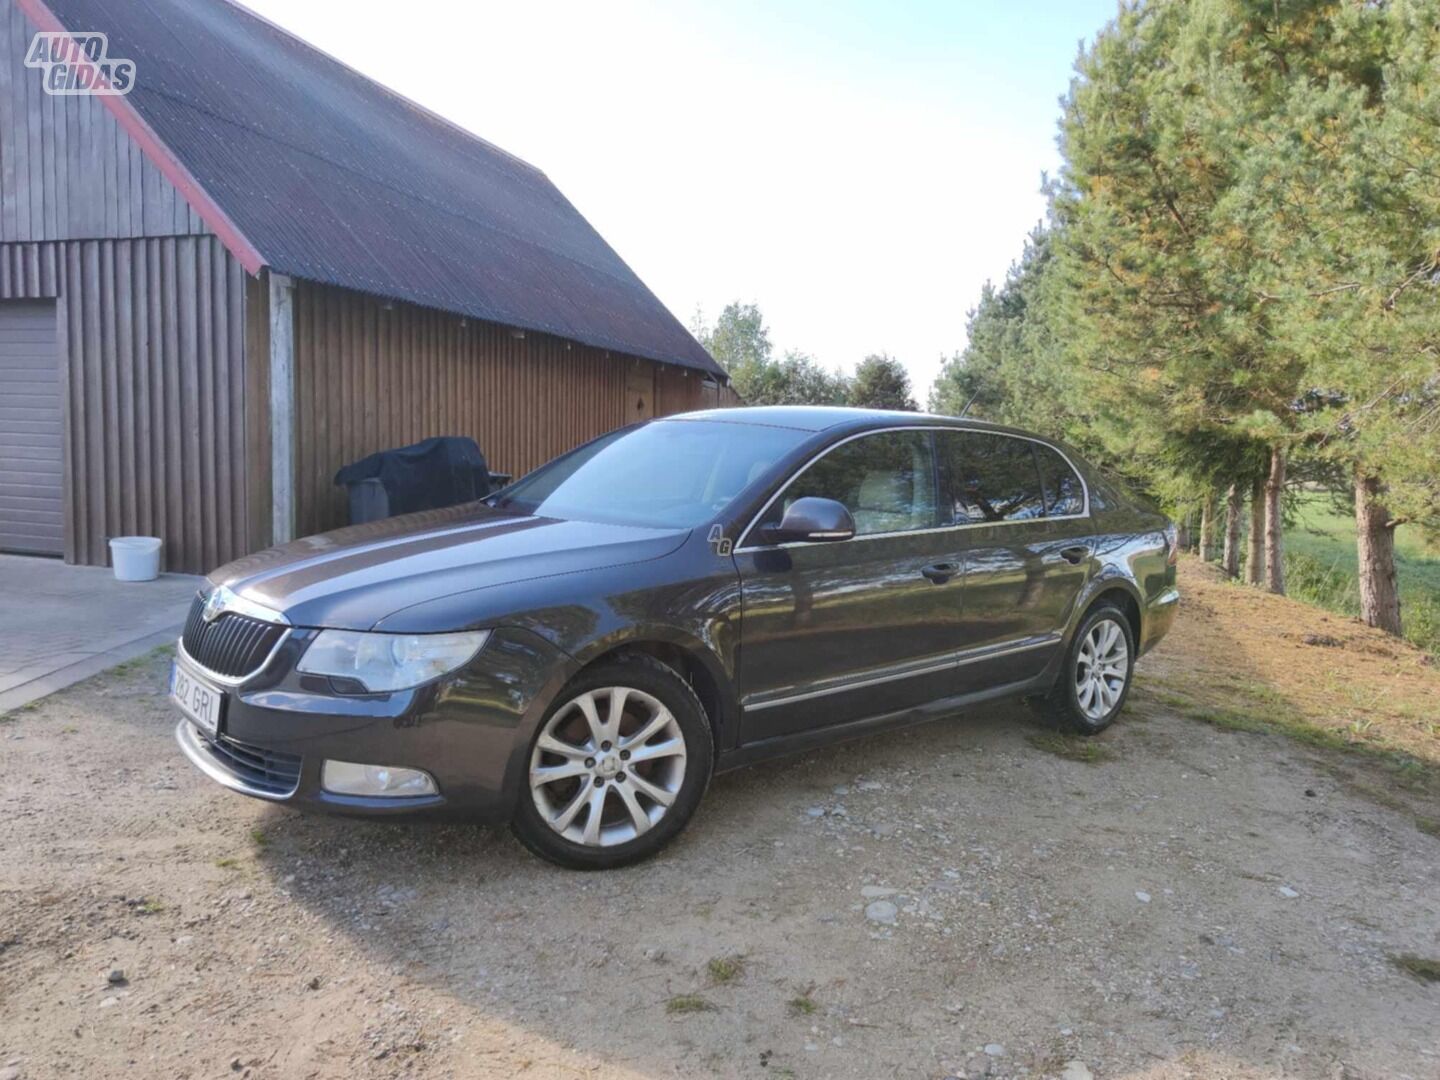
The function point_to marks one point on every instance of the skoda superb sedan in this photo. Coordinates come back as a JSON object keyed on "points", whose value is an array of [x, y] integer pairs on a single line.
{"points": [[579, 653]]}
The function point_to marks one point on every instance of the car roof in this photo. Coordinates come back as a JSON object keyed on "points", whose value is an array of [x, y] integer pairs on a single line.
{"points": [[824, 417]]}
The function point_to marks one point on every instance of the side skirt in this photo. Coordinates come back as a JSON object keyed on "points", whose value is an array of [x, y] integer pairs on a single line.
{"points": [[782, 745]]}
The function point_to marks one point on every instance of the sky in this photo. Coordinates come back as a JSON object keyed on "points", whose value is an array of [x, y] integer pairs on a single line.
{"points": [[856, 168]]}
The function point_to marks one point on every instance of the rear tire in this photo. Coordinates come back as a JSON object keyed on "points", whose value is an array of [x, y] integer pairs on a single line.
{"points": [[616, 768], [1098, 671]]}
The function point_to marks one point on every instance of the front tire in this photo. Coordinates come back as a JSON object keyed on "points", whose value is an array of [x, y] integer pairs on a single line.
{"points": [[1095, 680], [616, 768]]}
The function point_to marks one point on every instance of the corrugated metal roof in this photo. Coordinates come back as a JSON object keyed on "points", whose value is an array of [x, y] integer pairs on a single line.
{"points": [[334, 178]]}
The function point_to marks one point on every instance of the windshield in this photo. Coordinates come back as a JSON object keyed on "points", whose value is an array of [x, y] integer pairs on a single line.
{"points": [[670, 473]]}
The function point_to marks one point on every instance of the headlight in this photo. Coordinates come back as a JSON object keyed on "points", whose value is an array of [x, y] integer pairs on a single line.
{"points": [[382, 662]]}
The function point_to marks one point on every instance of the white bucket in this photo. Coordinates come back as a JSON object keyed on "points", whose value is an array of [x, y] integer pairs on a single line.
{"points": [[135, 558]]}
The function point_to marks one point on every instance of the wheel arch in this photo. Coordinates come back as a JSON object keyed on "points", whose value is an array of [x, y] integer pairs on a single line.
{"points": [[692, 659], [1117, 590]]}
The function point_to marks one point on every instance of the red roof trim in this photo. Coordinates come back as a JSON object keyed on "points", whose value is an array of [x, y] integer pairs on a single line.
{"points": [[42, 18]]}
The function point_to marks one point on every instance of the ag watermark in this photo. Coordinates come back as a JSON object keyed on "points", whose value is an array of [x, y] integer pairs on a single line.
{"points": [[79, 64]]}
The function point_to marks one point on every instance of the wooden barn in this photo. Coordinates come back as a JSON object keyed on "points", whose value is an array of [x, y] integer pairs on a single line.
{"points": [[258, 265]]}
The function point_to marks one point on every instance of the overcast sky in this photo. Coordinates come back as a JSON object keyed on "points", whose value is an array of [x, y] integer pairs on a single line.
{"points": [[858, 168]]}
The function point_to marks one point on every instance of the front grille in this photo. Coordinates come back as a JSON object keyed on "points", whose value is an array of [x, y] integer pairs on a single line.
{"points": [[233, 645], [266, 770]]}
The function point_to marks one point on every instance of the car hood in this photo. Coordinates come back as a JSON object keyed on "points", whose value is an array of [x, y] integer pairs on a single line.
{"points": [[352, 578]]}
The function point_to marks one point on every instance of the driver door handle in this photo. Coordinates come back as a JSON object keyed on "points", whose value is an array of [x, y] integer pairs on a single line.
{"points": [[939, 573], [1075, 554]]}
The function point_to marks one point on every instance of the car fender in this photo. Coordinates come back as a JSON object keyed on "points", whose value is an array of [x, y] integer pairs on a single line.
{"points": [[700, 647], [1110, 578]]}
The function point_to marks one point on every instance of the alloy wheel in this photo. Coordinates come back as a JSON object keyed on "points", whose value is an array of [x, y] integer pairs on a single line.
{"points": [[1101, 669], [607, 766]]}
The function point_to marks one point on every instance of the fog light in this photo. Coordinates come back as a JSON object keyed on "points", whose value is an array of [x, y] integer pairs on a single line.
{"points": [[348, 778]]}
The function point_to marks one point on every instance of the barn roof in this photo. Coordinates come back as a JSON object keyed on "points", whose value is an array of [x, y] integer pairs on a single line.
{"points": [[311, 169]]}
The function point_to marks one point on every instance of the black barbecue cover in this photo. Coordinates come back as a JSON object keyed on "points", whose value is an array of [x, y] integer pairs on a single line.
{"points": [[431, 474]]}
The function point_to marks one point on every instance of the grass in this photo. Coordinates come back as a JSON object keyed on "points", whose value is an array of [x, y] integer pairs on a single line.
{"points": [[1424, 968], [1266, 712], [803, 1005], [258, 837], [227, 863], [144, 660], [1320, 568], [725, 969], [684, 1004], [1070, 747]]}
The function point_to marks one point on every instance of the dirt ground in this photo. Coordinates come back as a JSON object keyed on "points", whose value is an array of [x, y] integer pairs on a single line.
{"points": [[974, 897]]}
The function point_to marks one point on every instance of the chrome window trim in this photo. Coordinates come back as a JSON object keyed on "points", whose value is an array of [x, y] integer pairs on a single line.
{"points": [[743, 546], [957, 660], [230, 680]]}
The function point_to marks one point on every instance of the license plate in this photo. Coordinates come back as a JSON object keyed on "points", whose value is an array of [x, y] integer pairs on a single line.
{"points": [[197, 699]]}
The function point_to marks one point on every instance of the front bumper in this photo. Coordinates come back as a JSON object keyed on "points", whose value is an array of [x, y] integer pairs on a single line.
{"points": [[469, 731]]}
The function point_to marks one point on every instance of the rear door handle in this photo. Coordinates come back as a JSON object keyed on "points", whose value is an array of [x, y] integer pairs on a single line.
{"points": [[1075, 554], [939, 573]]}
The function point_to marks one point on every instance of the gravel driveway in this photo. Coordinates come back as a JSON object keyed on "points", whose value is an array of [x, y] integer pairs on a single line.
{"points": [[956, 900]]}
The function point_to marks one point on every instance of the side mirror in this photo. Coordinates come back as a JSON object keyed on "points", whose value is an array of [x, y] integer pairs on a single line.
{"points": [[812, 520]]}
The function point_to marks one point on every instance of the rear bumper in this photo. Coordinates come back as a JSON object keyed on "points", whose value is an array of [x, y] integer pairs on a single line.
{"points": [[1159, 617], [469, 732]]}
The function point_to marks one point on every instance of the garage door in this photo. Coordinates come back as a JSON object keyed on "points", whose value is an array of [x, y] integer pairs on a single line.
{"points": [[31, 484]]}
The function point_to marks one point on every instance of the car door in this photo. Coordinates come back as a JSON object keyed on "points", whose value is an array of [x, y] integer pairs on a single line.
{"points": [[1023, 567], [842, 630]]}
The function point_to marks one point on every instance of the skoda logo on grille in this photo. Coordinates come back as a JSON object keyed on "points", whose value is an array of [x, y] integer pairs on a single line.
{"points": [[216, 604]]}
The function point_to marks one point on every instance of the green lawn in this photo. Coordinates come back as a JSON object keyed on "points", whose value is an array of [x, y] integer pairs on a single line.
{"points": [[1320, 567]]}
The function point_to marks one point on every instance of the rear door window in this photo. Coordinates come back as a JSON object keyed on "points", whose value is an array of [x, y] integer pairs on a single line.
{"points": [[1064, 494], [988, 477]]}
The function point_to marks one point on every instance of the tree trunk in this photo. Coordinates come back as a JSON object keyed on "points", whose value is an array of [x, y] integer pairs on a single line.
{"points": [[1182, 534], [1375, 547], [1230, 560], [1207, 528], [1255, 558], [1274, 527]]}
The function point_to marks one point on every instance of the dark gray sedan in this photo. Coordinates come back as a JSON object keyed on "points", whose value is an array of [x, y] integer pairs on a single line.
{"points": [[579, 653]]}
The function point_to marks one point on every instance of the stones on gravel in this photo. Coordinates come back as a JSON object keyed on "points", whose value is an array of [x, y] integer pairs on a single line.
{"points": [[1143, 897], [881, 911], [1076, 1070], [995, 1049], [115, 976], [876, 892], [1287, 892], [109, 1002]]}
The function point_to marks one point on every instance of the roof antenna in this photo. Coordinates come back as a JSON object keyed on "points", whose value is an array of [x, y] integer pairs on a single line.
{"points": [[966, 409]]}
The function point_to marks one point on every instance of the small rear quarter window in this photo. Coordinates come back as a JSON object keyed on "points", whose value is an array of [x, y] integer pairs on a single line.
{"points": [[1064, 494]]}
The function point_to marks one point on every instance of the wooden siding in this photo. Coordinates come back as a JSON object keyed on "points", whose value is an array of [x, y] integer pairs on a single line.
{"points": [[68, 170], [371, 376], [153, 339]]}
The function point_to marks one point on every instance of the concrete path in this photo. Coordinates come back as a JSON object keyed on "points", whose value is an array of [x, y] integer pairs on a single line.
{"points": [[60, 624]]}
